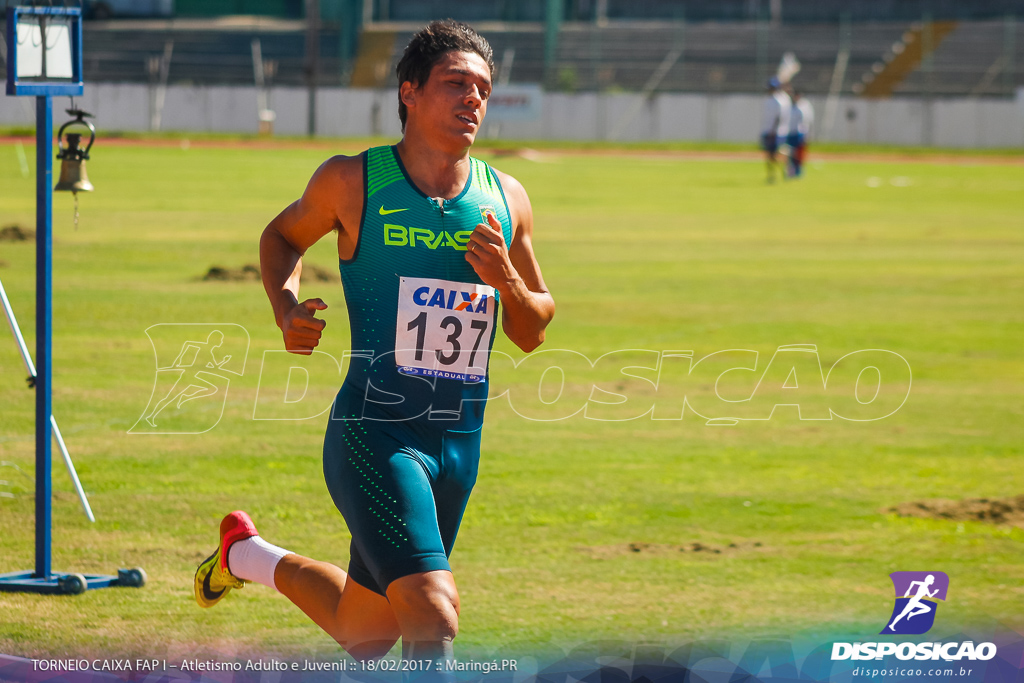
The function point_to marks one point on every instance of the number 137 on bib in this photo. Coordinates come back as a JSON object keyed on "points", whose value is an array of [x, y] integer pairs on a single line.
{"points": [[444, 328]]}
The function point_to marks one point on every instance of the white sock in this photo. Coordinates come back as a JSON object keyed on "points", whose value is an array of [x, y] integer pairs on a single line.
{"points": [[253, 559]]}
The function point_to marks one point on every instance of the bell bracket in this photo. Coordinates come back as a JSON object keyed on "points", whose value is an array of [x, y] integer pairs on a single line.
{"points": [[79, 119]]}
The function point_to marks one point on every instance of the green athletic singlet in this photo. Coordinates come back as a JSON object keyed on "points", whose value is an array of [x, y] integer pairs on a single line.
{"points": [[402, 446]]}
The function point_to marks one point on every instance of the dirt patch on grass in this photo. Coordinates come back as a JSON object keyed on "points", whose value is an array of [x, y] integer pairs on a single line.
{"points": [[991, 510], [311, 273], [16, 233], [251, 273], [639, 549], [223, 274]]}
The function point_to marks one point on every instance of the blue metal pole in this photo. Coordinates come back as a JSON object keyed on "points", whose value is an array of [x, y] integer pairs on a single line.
{"points": [[44, 316]]}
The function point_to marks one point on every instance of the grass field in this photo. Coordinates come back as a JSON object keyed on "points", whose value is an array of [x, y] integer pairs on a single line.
{"points": [[922, 258]]}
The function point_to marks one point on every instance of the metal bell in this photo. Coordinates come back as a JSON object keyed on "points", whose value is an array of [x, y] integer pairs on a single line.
{"points": [[73, 177]]}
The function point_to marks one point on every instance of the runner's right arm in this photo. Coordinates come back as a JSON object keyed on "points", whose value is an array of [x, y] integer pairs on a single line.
{"points": [[327, 204]]}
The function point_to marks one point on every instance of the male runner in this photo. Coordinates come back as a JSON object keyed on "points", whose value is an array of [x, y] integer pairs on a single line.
{"points": [[429, 240]]}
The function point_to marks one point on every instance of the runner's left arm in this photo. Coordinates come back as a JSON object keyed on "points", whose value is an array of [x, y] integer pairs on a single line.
{"points": [[527, 305]]}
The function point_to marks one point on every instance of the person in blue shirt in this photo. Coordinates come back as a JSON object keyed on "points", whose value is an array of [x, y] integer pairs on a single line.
{"points": [[801, 121]]}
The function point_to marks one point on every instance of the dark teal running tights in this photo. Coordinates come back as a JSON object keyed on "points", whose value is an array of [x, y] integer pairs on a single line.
{"points": [[402, 487]]}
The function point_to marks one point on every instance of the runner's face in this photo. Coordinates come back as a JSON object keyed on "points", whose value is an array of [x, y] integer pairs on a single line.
{"points": [[452, 103]]}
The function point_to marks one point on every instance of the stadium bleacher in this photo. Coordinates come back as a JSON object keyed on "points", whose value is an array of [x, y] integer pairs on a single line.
{"points": [[724, 57], [978, 58], [974, 59], [204, 51]]}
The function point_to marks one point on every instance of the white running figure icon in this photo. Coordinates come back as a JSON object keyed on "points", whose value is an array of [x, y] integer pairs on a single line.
{"points": [[915, 606], [197, 386]]}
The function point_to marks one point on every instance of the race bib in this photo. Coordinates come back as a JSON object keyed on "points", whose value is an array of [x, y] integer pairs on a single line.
{"points": [[444, 328]]}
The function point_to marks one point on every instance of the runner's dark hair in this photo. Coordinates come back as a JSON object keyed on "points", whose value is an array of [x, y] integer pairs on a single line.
{"points": [[429, 45]]}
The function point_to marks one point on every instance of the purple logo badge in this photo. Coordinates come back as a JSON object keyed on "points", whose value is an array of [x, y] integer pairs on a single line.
{"points": [[916, 596]]}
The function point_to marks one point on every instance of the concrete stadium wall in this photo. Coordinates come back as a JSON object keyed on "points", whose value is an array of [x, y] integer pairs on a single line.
{"points": [[961, 122]]}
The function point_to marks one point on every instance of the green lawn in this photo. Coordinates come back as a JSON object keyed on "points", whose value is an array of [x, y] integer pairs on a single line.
{"points": [[645, 253]]}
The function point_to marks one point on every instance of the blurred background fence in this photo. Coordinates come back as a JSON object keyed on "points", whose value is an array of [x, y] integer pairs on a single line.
{"points": [[849, 50]]}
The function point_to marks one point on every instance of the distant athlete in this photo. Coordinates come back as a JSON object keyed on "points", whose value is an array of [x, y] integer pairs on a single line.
{"points": [[915, 605], [430, 240], [801, 122], [774, 124]]}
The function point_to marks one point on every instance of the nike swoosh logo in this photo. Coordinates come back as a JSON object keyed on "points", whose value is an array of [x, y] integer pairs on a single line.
{"points": [[385, 213], [208, 591]]}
